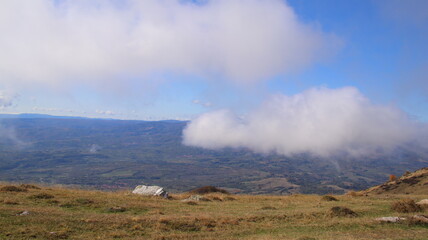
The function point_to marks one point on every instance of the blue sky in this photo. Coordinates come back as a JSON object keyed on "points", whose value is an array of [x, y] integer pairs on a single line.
{"points": [[378, 47]]}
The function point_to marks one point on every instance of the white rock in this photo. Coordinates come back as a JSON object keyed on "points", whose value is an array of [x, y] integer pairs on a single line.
{"points": [[150, 191], [390, 219], [23, 213], [423, 202]]}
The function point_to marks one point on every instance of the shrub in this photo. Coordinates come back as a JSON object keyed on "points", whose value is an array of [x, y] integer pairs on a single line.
{"points": [[406, 206], [355, 194], [208, 189], [84, 201], [116, 209], [13, 189], [29, 186], [229, 199], [329, 198], [342, 212], [42, 196], [392, 177]]}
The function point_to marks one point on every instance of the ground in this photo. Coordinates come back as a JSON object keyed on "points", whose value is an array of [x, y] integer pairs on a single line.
{"points": [[64, 213]]}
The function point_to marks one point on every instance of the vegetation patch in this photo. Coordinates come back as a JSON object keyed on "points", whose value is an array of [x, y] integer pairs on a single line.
{"points": [[268, 208], [116, 209], [30, 186], [84, 201], [11, 188], [183, 226], [342, 212], [42, 196], [328, 198], [406, 206], [208, 189]]}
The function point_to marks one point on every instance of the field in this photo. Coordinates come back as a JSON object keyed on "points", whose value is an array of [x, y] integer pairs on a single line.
{"points": [[64, 213]]}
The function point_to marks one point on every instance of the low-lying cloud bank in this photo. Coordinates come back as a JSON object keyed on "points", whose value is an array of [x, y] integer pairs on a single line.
{"points": [[65, 42], [320, 121]]}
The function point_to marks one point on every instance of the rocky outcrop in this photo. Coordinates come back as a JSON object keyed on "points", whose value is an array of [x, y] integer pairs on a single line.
{"points": [[150, 191]]}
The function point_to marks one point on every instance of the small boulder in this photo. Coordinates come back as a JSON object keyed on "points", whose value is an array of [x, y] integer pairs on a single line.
{"points": [[390, 219], [150, 191], [423, 202], [23, 213]]}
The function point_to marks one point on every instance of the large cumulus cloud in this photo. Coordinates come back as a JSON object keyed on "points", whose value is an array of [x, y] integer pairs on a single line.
{"points": [[321, 121]]}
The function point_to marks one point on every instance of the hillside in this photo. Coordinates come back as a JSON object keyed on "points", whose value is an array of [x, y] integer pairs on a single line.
{"points": [[35, 212], [410, 183], [113, 154]]}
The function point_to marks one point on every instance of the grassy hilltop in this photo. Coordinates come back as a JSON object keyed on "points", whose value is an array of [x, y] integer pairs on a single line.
{"points": [[61, 213]]}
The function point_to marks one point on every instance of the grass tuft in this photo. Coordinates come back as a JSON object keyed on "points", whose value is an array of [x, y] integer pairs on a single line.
{"points": [[342, 212], [406, 206]]}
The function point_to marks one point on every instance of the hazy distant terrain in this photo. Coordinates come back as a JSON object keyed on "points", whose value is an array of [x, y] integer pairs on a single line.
{"points": [[111, 154]]}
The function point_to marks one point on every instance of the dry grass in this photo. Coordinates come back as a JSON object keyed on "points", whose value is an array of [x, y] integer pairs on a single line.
{"points": [[79, 214], [406, 206]]}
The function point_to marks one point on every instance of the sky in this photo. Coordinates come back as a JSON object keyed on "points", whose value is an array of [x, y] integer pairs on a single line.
{"points": [[224, 64]]}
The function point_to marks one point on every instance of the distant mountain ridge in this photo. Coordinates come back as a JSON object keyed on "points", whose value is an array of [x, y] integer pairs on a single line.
{"points": [[37, 115]]}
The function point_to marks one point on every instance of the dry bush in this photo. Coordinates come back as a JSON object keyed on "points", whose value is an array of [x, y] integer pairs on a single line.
{"points": [[406, 206], [10, 202], [421, 220], [354, 194], [216, 199], [84, 201], [392, 177], [329, 198], [11, 188], [268, 208], [178, 225], [42, 196], [116, 209], [208, 189], [342, 212], [229, 199], [30, 186]]}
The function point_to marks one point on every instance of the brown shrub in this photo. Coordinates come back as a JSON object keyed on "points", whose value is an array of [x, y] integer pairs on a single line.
{"points": [[229, 199], [29, 186], [84, 201], [11, 188], [208, 189], [178, 225], [342, 212], [354, 194], [421, 220], [217, 199], [268, 208], [42, 196], [406, 206], [116, 209], [191, 203], [10, 202], [392, 177], [329, 198]]}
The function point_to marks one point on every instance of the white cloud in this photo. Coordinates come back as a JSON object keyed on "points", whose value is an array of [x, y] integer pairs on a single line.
{"points": [[320, 121], [61, 43]]}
